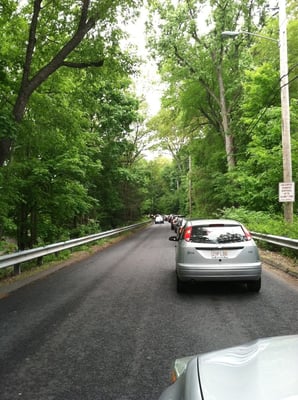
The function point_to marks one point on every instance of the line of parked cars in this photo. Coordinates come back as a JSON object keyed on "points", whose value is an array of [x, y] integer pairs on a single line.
{"points": [[176, 221]]}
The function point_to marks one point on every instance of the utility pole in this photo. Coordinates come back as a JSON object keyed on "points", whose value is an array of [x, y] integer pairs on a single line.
{"points": [[189, 185], [285, 109]]}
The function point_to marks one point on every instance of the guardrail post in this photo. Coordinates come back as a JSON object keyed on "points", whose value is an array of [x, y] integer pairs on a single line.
{"points": [[39, 261], [17, 269]]}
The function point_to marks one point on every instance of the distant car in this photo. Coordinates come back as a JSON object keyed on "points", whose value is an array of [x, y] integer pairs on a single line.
{"points": [[217, 250], [159, 219], [266, 369]]}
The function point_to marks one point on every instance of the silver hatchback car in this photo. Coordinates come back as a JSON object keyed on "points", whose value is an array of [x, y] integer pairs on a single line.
{"points": [[217, 250]]}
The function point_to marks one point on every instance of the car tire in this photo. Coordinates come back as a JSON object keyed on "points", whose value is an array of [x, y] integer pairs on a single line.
{"points": [[254, 286]]}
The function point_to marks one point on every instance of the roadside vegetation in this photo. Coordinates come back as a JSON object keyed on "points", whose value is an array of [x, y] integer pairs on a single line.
{"points": [[73, 131], [221, 115]]}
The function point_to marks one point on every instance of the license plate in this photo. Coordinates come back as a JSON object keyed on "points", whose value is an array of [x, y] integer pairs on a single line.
{"points": [[219, 253]]}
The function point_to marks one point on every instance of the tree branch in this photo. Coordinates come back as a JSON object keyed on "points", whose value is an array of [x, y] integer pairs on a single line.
{"points": [[193, 71], [31, 42], [28, 85], [82, 64]]}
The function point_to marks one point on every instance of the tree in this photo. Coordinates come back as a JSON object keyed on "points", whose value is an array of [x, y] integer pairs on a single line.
{"points": [[209, 79], [169, 134], [161, 187], [253, 184], [202, 63], [58, 37], [74, 148], [260, 122]]}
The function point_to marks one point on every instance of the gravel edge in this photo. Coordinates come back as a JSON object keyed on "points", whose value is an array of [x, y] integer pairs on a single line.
{"points": [[280, 262]]}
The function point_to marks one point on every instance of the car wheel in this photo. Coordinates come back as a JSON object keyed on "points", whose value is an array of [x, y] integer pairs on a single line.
{"points": [[254, 286]]}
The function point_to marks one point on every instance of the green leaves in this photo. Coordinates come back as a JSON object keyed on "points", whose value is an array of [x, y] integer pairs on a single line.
{"points": [[68, 86], [261, 89], [223, 97]]}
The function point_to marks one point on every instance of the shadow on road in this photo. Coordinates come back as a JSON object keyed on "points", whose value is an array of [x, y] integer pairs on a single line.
{"points": [[216, 288]]}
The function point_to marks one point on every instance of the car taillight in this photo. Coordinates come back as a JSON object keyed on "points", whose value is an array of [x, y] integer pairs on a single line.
{"points": [[247, 234], [187, 233]]}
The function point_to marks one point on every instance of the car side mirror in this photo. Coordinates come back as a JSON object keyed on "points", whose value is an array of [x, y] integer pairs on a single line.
{"points": [[173, 238]]}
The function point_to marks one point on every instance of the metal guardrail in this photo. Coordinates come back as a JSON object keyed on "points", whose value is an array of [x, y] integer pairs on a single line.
{"points": [[15, 259], [277, 240]]}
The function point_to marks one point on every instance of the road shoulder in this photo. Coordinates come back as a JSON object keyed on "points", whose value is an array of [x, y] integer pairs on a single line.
{"points": [[280, 262]]}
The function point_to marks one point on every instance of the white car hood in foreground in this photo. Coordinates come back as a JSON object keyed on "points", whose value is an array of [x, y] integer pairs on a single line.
{"points": [[266, 369]]}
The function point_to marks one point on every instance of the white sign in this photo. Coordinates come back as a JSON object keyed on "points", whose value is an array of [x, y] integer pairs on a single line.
{"points": [[286, 192]]}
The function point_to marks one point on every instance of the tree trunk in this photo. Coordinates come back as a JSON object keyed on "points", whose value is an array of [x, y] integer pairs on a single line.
{"points": [[22, 224], [229, 139], [33, 227], [5, 148]]}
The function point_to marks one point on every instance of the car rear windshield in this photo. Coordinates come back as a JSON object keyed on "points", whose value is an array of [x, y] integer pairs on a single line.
{"points": [[217, 234]]}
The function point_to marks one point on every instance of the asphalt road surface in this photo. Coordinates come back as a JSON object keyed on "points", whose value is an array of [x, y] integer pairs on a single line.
{"points": [[108, 327]]}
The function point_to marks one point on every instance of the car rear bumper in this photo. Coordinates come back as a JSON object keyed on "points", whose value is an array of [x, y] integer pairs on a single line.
{"points": [[242, 272]]}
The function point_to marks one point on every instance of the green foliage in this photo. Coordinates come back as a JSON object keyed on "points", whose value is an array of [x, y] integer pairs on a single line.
{"points": [[160, 190], [261, 89], [73, 169], [7, 247], [190, 62]]}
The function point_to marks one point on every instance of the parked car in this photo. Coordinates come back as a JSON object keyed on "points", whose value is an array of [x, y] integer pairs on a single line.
{"points": [[217, 250], [176, 222], [179, 225], [159, 219], [266, 369], [173, 219]]}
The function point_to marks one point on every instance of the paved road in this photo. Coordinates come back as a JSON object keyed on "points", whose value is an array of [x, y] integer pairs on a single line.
{"points": [[108, 327]]}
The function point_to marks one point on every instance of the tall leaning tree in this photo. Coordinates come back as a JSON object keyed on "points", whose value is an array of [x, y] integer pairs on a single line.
{"points": [[193, 56], [56, 34]]}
